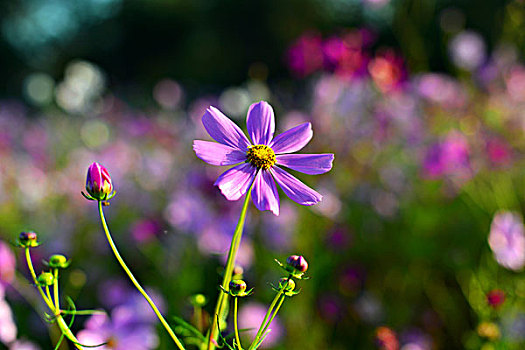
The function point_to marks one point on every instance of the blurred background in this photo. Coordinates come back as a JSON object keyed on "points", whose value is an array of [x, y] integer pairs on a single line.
{"points": [[419, 242]]}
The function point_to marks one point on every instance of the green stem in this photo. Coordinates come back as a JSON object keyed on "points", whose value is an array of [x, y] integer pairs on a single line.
{"points": [[55, 289], [263, 323], [33, 274], [235, 327], [232, 254], [60, 320], [135, 282], [274, 314]]}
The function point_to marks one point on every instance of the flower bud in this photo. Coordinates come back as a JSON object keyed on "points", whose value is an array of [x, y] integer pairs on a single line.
{"points": [[495, 298], [28, 239], [297, 262], [287, 284], [489, 330], [45, 279], [198, 300], [58, 261], [98, 182], [237, 287]]}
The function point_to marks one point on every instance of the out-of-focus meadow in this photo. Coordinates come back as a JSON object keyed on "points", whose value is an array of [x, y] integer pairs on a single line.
{"points": [[419, 241]]}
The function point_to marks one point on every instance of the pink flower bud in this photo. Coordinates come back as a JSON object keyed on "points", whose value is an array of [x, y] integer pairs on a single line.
{"points": [[297, 262], [495, 298], [98, 182]]}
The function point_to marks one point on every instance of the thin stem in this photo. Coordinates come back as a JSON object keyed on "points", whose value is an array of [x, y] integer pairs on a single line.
{"points": [[60, 320], [55, 289], [232, 254], [274, 314], [135, 282], [33, 274], [268, 313], [235, 327]]}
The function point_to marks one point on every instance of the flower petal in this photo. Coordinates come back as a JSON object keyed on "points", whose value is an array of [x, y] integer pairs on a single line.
{"points": [[218, 154], [295, 189], [223, 130], [261, 123], [312, 164], [236, 181], [292, 140], [264, 193]]}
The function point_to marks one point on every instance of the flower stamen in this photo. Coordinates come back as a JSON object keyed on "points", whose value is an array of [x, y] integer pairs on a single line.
{"points": [[260, 156]]}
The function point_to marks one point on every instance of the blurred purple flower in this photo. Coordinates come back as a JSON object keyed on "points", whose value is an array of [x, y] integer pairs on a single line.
{"points": [[467, 50], [415, 339], [257, 163], [440, 89], [449, 157], [144, 230], [121, 332], [507, 240], [305, 55], [250, 317], [345, 56], [7, 264]]}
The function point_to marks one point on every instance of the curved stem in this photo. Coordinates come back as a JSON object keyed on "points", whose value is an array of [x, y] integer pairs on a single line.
{"points": [[64, 328], [48, 302], [134, 280], [235, 327], [232, 254]]}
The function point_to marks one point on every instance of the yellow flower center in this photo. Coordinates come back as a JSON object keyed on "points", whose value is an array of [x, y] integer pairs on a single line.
{"points": [[261, 156]]}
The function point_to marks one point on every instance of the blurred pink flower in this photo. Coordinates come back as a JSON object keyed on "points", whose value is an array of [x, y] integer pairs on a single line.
{"points": [[7, 264], [250, 317], [305, 55], [507, 240]]}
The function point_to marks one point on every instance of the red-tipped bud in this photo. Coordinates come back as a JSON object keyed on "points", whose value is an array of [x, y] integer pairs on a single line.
{"points": [[495, 298], [297, 262], [98, 182], [28, 239]]}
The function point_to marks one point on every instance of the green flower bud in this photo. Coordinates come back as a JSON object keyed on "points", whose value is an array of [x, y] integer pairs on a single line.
{"points": [[237, 287], [58, 261], [198, 300], [287, 284], [28, 239], [45, 279]]}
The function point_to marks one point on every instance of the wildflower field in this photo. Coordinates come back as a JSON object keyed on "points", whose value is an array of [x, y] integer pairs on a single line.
{"points": [[275, 175]]}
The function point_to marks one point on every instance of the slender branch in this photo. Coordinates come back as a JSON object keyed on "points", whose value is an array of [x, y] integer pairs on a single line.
{"points": [[235, 327], [274, 314], [263, 323], [134, 280], [55, 289], [60, 320], [232, 254]]}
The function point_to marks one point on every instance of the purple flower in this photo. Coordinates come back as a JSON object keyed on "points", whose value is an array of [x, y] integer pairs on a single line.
{"points": [[257, 162], [507, 240]]}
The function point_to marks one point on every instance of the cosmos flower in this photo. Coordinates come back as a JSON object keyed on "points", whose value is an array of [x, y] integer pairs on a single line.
{"points": [[507, 240], [258, 163]]}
